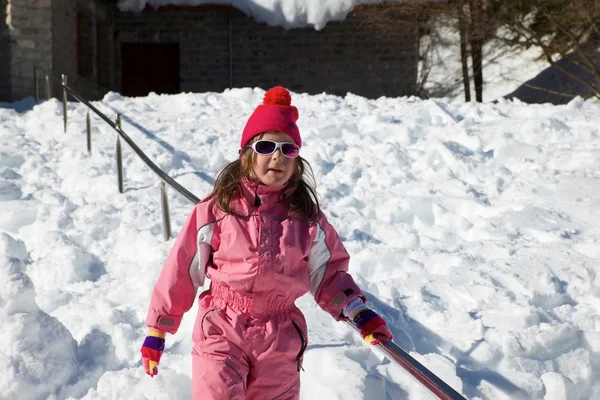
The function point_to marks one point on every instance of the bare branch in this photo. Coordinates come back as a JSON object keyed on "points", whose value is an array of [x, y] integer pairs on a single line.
{"points": [[576, 44], [556, 92], [568, 73]]}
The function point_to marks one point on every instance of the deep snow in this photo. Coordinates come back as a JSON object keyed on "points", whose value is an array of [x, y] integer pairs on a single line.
{"points": [[473, 228]]}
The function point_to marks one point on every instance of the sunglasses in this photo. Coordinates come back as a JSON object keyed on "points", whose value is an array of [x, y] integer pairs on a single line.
{"points": [[268, 147]]}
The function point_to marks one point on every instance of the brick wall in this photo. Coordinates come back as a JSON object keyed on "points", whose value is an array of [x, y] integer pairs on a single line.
{"points": [[203, 44], [5, 86], [30, 44], [372, 53]]}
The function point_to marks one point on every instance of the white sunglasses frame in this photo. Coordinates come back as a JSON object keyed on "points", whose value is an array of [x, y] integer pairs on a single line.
{"points": [[277, 146]]}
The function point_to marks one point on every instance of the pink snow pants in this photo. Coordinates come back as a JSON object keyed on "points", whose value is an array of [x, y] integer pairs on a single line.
{"points": [[243, 355]]}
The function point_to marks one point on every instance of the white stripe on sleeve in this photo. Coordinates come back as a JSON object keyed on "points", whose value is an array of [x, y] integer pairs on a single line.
{"points": [[198, 266], [317, 260]]}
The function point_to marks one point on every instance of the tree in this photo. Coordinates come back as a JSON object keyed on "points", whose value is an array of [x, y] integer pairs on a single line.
{"points": [[477, 37], [474, 26], [567, 32], [462, 29]]}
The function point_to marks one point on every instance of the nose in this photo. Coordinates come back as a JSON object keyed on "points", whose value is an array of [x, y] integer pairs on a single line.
{"points": [[277, 155]]}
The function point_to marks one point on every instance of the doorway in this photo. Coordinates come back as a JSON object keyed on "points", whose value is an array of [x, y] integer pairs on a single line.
{"points": [[149, 67]]}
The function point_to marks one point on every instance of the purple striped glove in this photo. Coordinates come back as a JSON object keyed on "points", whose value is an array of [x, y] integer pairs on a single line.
{"points": [[152, 349]]}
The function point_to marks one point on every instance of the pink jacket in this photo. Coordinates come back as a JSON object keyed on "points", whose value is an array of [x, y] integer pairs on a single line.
{"points": [[258, 251]]}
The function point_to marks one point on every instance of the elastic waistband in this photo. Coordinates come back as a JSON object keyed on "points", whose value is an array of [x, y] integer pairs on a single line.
{"points": [[249, 303]]}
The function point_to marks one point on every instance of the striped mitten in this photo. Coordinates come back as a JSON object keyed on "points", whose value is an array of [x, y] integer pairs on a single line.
{"points": [[152, 349], [368, 322]]}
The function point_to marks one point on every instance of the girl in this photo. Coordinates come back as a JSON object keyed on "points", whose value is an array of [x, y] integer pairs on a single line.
{"points": [[263, 241]]}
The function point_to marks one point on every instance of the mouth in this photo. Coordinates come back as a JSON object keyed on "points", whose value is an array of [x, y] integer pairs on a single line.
{"points": [[274, 170]]}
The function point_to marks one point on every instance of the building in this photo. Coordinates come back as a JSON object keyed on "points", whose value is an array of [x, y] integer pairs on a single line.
{"points": [[172, 49]]}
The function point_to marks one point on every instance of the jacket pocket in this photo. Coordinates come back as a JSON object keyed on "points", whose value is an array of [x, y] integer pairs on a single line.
{"points": [[201, 330], [303, 345]]}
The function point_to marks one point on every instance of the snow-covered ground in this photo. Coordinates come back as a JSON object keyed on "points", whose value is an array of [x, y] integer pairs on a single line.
{"points": [[474, 228]]}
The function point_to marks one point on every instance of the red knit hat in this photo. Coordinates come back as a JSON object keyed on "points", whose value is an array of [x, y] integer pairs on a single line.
{"points": [[276, 114]]}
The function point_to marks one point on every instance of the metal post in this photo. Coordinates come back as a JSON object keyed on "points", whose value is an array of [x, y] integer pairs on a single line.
{"points": [[36, 89], [64, 83], [48, 93], [119, 158], [89, 132], [164, 201]]}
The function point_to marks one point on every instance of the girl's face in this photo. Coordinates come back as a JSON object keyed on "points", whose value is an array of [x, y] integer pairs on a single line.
{"points": [[275, 169]]}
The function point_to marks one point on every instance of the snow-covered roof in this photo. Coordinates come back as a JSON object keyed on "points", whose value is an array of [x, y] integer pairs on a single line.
{"points": [[285, 13]]}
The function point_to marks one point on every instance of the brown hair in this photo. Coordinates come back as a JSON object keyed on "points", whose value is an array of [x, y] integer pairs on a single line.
{"points": [[302, 200]]}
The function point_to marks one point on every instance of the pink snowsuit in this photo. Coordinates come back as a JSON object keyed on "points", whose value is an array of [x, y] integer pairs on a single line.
{"points": [[249, 337]]}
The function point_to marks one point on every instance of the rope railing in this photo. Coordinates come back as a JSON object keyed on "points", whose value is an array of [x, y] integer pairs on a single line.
{"points": [[427, 379]]}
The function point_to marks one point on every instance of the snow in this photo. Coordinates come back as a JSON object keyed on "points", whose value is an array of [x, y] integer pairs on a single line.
{"points": [[472, 227], [285, 13]]}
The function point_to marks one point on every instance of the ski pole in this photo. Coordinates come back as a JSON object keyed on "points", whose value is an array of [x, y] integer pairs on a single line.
{"points": [[436, 386]]}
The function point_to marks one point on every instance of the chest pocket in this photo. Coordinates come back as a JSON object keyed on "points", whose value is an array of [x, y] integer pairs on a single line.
{"points": [[238, 238], [295, 245]]}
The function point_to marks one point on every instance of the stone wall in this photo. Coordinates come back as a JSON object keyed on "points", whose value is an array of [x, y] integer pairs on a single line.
{"points": [[79, 62], [5, 84], [64, 38], [43, 33], [372, 53], [30, 44]]}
